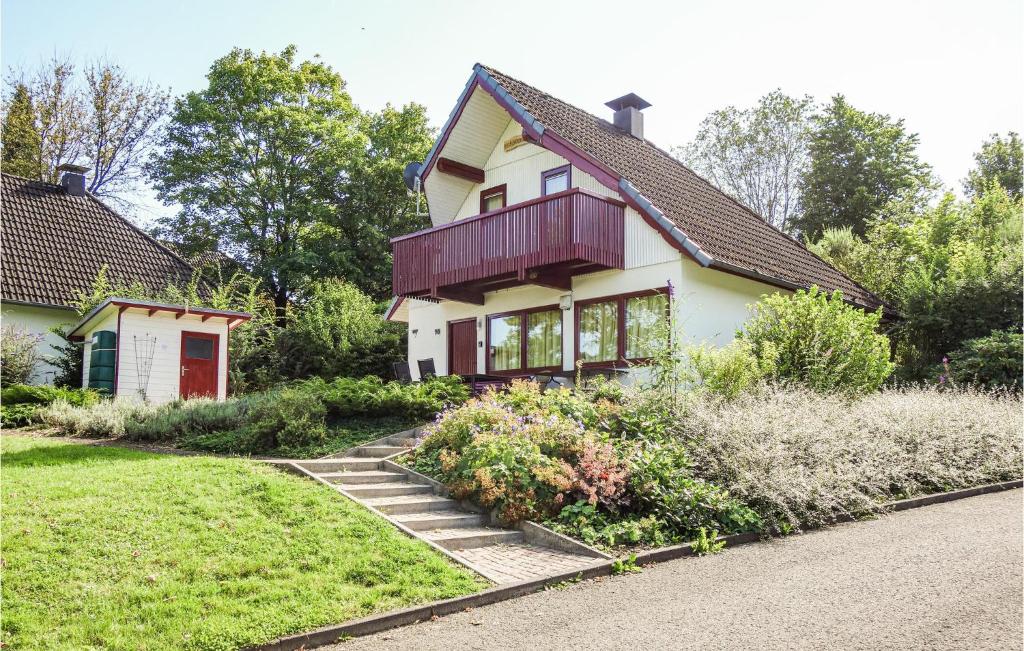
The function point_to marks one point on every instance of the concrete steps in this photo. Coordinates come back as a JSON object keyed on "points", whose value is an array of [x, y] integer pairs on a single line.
{"points": [[406, 504], [379, 451], [363, 477], [502, 555], [472, 537], [394, 489], [441, 520]]}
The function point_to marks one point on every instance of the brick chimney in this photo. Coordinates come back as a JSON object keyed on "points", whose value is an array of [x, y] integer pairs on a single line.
{"points": [[627, 114], [73, 179]]}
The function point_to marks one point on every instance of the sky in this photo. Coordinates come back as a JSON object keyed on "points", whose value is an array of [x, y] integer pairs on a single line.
{"points": [[952, 69]]}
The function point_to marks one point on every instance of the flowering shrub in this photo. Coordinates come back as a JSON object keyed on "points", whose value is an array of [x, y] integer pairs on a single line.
{"points": [[802, 459], [601, 477], [524, 452], [604, 470], [510, 474]]}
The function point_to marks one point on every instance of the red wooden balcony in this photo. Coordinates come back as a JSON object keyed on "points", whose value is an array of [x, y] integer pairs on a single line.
{"points": [[544, 242]]}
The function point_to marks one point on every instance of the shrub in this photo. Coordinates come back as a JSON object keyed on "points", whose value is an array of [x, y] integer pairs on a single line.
{"points": [[992, 362], [509, 474], [663, 486], [287, 418], [337, 330], [369, 396], [20, 404], [183, 419], [799, 458], [107, 418], [44, 395], [820, 341], [18, 355], [728, 371]]}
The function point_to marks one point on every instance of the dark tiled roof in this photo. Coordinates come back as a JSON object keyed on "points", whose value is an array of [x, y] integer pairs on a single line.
{"points": [[722, 227], [54, 244]]}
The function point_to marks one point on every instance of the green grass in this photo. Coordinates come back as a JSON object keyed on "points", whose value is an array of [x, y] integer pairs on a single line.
{"points": [[110, 548]]}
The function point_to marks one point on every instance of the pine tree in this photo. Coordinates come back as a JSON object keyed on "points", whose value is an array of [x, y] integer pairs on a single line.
{"points": [[19, 153]]}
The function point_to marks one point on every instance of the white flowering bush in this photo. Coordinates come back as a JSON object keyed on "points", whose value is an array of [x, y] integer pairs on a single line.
{"points": [[801, 458]]}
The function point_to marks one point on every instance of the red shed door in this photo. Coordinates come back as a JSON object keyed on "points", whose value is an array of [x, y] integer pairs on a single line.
{"points": [[199, 364], [462, 347]]}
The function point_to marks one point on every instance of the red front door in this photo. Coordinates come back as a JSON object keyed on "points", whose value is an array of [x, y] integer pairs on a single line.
{"points": [[199, 352], [462, 347]]}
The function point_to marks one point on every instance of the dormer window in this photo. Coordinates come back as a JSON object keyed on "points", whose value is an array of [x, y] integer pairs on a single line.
{"points": [[493, 198], [556, 180]]}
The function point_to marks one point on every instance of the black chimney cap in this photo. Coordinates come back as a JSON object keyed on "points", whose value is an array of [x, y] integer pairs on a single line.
{"points": [[632, 99]]}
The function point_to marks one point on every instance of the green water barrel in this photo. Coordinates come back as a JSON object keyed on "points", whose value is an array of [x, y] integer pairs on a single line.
{"points": [[102, 361]]}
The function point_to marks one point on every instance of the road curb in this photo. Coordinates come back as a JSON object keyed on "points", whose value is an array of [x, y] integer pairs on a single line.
{"points": [[412, 615]]}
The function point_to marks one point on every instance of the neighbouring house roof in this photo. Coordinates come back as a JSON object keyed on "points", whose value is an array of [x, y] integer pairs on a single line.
{"points": [[115, 303], [55, 243], [716, 230]]}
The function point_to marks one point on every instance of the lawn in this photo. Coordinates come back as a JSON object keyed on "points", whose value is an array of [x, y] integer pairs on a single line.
{"points": [[111, 548]]}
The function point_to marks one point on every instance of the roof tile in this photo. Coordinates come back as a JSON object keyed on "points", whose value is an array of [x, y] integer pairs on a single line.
{"points": [[54, 245], [724, 228]]}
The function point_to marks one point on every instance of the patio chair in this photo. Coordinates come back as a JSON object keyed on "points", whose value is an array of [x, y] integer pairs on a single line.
{"points": [[402, 372], [427, 370]]}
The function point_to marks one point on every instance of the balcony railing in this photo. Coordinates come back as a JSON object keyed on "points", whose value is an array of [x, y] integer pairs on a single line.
{"points": [[562, 234]]}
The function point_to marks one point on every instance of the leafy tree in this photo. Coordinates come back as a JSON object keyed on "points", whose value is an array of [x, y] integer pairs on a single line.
{"points": [[953, 271], [120, 126], [253, 160], [374, 205], [102, 119], [999, 160], [859, 163], [756, 155], [20, 151]]}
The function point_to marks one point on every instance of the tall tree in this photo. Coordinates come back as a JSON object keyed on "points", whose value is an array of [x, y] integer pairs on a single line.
{"points": [[20, 150], [102, 119], [374, 205], [859, 163], [119, 128], [1000, 160], [252, 158], [757, 155]]}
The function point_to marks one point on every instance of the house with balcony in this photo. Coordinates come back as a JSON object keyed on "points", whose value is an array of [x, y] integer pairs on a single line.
{"points": [[561, 239]]}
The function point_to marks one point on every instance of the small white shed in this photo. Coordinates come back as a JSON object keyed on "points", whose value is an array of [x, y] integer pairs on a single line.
{"points": [[154, 351]]}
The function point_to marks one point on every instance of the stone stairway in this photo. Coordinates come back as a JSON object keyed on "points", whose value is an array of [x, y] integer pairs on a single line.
{"points": [[416, 504]]}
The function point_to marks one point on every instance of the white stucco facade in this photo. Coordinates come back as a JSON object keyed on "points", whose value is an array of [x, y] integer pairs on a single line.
{"points": [[38, 320], [708, 306]]}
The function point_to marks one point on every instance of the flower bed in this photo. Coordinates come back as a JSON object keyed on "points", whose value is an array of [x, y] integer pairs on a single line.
{"points": [[600, 466], [615, 467]]}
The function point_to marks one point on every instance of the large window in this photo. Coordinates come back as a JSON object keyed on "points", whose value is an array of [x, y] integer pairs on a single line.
{"points": [[528, 340], [619, 327], [493, 198], [555, 180]]}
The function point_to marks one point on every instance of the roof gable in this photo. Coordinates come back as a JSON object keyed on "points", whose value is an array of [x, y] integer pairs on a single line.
{"points": [[54, 244], [698, 218]]}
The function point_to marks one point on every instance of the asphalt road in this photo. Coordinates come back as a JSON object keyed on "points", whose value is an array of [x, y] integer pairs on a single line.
{"points": [[940, 577]]}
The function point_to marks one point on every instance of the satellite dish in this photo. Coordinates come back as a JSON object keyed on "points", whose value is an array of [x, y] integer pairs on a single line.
{"points": [[410, 174]]}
